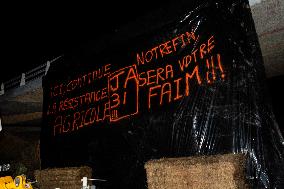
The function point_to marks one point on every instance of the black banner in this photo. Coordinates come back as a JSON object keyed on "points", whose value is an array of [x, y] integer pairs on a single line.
{"points": [[191, 84]]}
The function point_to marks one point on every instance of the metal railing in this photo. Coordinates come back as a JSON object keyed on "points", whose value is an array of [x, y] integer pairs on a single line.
{"points": [[36, 73]]}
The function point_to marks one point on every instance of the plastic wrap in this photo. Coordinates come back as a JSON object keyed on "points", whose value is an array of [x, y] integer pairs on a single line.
{"points": [[186, 80]]}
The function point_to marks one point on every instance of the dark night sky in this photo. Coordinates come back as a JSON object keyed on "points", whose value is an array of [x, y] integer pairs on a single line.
{"points": [[34, 33]]}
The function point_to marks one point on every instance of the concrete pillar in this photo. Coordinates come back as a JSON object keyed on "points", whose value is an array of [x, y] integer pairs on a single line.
{"points": [[0, 125], [2, 89], [47, 67], [23, 79]]}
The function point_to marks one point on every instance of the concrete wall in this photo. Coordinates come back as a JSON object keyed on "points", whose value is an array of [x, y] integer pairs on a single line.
{"points": [[269, 22]]}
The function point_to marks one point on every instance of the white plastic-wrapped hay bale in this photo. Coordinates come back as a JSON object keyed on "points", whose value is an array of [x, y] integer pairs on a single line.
{"points": [[63, 178], [214, 172]]}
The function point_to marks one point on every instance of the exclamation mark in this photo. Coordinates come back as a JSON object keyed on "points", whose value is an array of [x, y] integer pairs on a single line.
{"points": [[114, 114], [220, 66], [213, 71], [207, 73]]}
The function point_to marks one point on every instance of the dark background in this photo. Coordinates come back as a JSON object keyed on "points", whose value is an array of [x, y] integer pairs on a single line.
{"points": [[34, 33]]}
